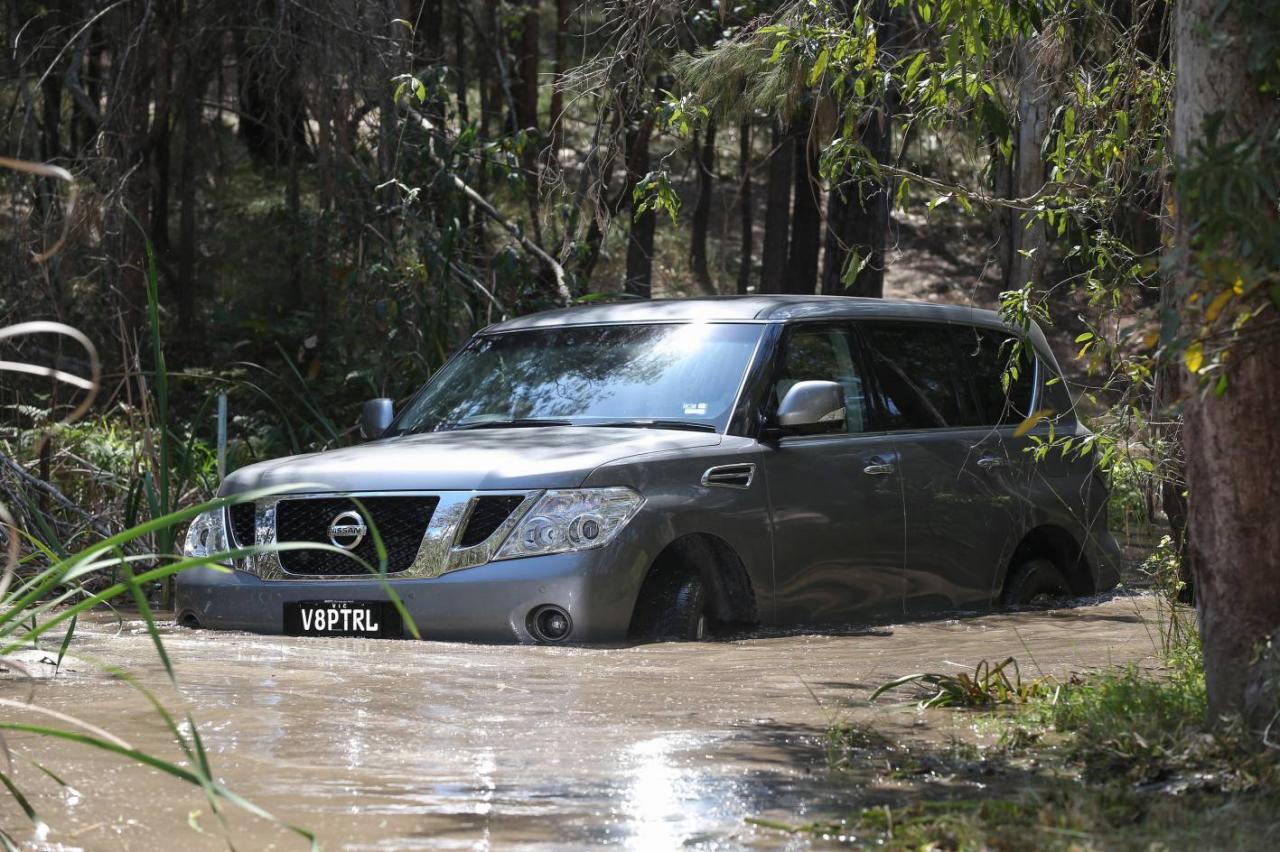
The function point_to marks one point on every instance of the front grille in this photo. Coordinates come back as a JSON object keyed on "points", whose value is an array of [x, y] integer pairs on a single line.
{"points": [[487, 516], [242, 524], [400, 521]]}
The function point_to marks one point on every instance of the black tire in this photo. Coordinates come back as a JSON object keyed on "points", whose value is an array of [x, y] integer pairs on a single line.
{"points": [[675, 609], [1036, 582]]}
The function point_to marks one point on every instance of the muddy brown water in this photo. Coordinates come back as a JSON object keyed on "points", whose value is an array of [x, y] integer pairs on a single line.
{"points": [[404, 745]]}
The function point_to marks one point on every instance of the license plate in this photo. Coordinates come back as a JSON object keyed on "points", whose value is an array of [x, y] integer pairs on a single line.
{"points": [[369, 619]]}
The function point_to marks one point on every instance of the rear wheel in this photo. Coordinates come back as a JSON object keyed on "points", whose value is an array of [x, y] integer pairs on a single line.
{"points": [[675, 609], [1036, 582]]}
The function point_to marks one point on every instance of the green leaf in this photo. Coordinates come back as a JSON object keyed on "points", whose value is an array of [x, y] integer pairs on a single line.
{"points": [[819, 67], [904, 187], [913, 70]]}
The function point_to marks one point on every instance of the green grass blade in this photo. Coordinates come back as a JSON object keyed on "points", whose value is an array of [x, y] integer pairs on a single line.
{"points": [[22, 802]]}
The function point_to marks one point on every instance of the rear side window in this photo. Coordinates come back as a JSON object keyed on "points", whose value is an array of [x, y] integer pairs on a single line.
{"points": [[823, 353], [984, 357], [914, 364]]}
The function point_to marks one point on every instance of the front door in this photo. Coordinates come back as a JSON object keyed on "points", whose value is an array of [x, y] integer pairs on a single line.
{"points": [[836, 498]]}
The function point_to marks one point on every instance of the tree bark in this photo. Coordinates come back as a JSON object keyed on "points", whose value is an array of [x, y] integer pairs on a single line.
{"points": [[702, 210], [1025, 254], [564, 9], [746, 213], [806, 217], [868, 216], [777, 215], [1231, 442], [527, 67], [639, 275]]}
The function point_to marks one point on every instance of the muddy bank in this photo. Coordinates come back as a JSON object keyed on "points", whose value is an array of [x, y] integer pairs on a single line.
{"points": [[401, 745]]}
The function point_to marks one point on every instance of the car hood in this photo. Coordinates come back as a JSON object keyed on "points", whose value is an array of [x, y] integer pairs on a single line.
{"points": [[480, 459]]}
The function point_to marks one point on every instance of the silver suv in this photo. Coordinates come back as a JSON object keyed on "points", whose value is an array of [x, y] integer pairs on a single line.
{"points": [[668, 469]]}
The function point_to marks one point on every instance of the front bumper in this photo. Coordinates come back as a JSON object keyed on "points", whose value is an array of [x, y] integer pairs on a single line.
{"points": [[489, 603]]}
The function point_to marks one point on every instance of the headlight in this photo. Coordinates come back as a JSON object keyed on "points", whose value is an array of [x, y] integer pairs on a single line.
{"points": [[207, 534], [571, 520]]}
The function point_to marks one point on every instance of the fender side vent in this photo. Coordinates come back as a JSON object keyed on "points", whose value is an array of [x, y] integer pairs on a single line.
{"points": [[730, 476]]}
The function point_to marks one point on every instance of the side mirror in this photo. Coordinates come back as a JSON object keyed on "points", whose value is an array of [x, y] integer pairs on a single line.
{"points": [[811, 407], [375, 416]]}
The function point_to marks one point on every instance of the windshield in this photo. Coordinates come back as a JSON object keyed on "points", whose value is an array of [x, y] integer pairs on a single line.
{"points": [[665, 375]]}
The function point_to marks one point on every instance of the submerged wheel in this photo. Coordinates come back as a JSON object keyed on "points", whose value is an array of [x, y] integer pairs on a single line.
{"points": [[1036, 582], [675, 609]]}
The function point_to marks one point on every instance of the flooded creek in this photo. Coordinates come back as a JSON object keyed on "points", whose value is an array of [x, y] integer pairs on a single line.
{"points": [[405, 745]]}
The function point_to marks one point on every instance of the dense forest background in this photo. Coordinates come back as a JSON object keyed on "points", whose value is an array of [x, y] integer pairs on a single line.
{"points": [[338, 193]]}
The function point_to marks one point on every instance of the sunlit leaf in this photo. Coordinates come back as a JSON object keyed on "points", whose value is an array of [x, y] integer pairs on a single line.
{"points": [[1194, 357], [1030, 423]]}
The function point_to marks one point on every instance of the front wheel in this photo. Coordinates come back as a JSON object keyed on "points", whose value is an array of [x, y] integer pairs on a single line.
{"points": [[1036, 582], [675, 611]]}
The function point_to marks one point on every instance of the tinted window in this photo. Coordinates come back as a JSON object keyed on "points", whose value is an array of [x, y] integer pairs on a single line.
{"points": [[986, 355], [914, 364], [823, 353]]}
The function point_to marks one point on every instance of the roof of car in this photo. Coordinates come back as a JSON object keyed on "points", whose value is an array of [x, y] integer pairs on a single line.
{"points": [[763, 308]]}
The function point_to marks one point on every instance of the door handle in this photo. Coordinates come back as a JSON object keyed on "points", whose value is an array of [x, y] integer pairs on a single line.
{"points": [[991, 462], [879, 466]]}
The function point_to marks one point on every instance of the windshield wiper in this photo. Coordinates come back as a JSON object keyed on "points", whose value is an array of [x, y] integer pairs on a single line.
{"points": [[691, 425], [519, 423]]}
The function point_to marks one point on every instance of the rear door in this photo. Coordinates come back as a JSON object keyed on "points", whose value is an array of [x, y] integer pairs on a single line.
{"points": [[836, 499], [963, 487]]}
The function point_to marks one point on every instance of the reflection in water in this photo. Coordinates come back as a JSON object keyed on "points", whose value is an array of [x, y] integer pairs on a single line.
{"points": [[654, 806], [423, 745]]}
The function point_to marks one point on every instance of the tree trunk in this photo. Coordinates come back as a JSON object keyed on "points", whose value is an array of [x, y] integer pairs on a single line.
{"points": [[745, 211], [527, 67], [639, 276], [564, 9], [1025, 254], [702, 209], [806, 217], [839, 237], [777, 215], [868, 222], [1231, 442]]}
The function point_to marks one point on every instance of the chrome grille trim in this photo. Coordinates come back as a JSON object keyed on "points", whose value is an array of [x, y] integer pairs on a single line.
{"points": [[438, 554]]}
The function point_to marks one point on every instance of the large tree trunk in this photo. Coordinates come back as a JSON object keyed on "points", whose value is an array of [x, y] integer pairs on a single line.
{"points": [[806, 218], [777, 215], [1232, 443], [746, 213], [702, 209]]}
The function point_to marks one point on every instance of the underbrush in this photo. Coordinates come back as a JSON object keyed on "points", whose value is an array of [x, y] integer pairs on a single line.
{"points": [[1121, 758]]}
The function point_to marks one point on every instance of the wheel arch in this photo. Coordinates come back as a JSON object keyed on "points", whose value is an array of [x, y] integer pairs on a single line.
{"points": [[1057, 544], [730, 595]]}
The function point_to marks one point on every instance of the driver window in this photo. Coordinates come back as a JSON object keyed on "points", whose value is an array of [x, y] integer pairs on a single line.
{"points": [[823, 353]]}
